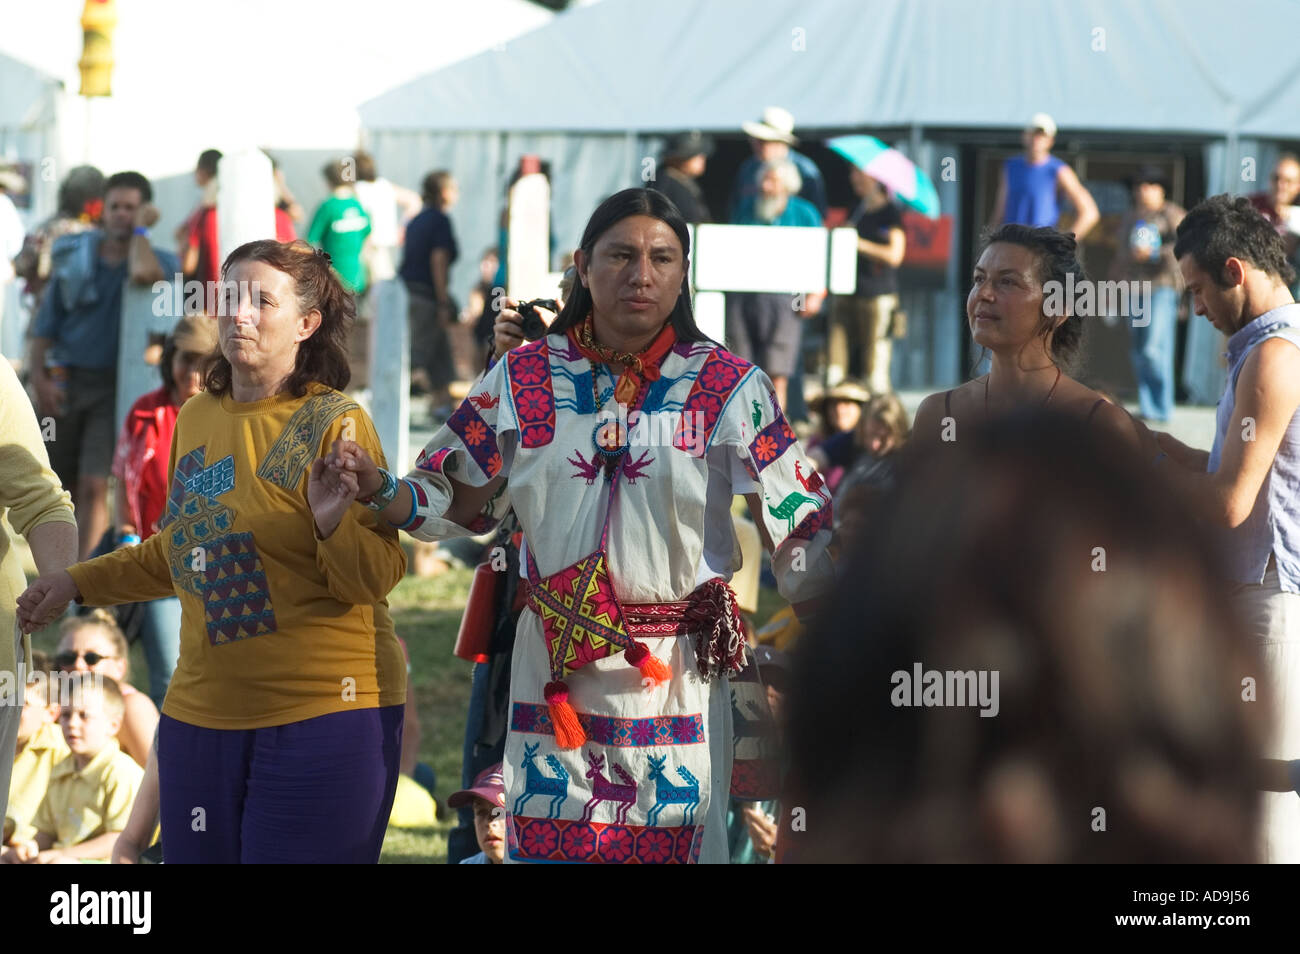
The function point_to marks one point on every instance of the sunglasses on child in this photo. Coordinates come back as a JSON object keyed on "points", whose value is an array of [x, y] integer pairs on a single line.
{"points": [[68, 658]]}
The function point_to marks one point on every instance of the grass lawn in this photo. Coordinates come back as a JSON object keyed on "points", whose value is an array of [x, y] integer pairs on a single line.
{"points": [[426, 614]]}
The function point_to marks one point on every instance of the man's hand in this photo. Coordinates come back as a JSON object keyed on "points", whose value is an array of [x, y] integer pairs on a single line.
{"points": [[45, 600], [812, 304], [50, 396], [762, 830], [146, 215], [508, 329], [21, 853]]}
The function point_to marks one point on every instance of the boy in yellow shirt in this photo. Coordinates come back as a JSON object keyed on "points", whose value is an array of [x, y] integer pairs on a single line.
{"points": [[40, 746], [91, 791]]}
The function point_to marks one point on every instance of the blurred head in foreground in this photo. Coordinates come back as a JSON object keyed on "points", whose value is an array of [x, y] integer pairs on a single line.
{"points": [[1115, 729]]}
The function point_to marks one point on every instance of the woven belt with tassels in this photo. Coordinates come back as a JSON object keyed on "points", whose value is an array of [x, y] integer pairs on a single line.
{"points": [[710, 611]]}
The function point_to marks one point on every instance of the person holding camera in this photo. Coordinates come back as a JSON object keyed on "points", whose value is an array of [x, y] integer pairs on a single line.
{"points": [[624, 658]]}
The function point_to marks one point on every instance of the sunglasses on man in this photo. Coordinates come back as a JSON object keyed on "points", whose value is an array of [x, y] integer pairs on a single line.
{"points": [[68, 658]]}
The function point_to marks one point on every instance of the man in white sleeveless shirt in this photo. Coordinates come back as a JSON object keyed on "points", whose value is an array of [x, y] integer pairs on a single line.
{"points": [[1248, 484]]}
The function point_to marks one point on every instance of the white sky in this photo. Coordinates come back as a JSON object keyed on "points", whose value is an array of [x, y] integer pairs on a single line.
{"points": [[193, 74]]}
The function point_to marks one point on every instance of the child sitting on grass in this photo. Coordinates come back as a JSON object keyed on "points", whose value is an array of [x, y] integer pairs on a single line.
{"points": [[488, 796], [94, 643], [91, 791], [40, 747]]}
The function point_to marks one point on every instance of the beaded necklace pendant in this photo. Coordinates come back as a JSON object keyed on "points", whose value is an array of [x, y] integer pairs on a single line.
{"points": [[609, 437]]}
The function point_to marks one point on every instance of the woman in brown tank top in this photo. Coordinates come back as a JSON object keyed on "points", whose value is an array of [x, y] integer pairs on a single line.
{"points": [[1016, 310]]}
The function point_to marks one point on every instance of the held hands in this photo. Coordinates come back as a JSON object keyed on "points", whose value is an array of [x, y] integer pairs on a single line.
{"points": [[338, 479], [45, 600]]}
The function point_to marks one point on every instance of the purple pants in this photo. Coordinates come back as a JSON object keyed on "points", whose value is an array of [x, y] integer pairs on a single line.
{"points": [[310, 792]]}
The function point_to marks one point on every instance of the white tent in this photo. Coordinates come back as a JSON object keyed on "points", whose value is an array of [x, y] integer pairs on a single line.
{"points": [[593, 90], [1173, 65]]}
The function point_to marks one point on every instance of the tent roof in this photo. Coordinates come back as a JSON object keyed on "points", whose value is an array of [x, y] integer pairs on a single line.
{"points": [[1177, 66], [24, 92]]}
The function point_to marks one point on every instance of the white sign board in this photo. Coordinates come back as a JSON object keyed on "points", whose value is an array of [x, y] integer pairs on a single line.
{"points": [[764, 258], [528, 246], [245, 200]]}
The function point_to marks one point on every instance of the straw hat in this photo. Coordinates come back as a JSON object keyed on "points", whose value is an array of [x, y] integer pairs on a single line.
{"points": [[775, 125]]}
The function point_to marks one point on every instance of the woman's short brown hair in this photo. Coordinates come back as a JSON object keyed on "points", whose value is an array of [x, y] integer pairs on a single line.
{"points": [[322, 358]]}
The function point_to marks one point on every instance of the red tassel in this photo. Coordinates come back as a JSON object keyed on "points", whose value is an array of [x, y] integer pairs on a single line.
{"points": [[639, 655], [564, 719]]}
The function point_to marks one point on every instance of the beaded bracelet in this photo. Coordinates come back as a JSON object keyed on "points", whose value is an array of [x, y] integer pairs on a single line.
{"points": [[382, 497]]}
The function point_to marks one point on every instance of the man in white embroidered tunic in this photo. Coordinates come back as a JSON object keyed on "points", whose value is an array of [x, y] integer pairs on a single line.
{"points": [[633, 715]]}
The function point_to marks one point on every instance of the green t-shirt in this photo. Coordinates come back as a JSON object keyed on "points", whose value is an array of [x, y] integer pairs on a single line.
{"points": [[340, 227]]}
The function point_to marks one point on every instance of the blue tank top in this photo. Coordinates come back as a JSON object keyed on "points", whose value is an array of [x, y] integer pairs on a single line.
{"points": [[1031, 192], [1273, 527]]}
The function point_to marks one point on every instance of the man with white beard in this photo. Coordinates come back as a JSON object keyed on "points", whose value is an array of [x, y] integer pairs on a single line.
{"points": [[763, 327]]}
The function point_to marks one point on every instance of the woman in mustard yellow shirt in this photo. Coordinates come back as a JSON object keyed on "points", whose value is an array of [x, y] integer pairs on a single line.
{"points": [[280, 734]]}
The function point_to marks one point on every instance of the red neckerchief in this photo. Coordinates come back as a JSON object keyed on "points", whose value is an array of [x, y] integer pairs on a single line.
{"points": [[637, 368]]}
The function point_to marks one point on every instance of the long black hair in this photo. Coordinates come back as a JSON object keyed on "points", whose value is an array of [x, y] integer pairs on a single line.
{"points": [[617, 207]]}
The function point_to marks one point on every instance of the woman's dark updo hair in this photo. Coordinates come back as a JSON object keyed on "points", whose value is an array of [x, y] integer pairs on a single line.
{"points": [[1057, 256], [613, 210], [322, 358]]}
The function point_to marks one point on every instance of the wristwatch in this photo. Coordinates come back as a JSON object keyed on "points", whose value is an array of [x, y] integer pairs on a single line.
{"points": [[385, 495]]}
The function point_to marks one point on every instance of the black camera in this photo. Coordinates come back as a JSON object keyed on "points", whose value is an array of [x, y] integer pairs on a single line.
{"points": [[531, 321]]}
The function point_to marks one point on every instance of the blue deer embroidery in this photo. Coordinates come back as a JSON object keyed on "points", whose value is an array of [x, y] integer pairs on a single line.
{"points": [[666, 793], [556, 788]]}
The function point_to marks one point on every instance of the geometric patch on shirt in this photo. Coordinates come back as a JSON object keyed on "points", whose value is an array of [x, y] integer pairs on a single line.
{"points": [[299, 443], [236, 598], [191, 531], [193, 478]]}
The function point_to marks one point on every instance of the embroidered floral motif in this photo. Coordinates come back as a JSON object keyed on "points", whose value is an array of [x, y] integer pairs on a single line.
{"points": [[532, 393], [479, 438], [545, 839], [719, 376], [772, 441]]}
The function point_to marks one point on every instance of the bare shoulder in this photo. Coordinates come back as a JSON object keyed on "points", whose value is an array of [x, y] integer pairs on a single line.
{"points": [[1108, 420], [1273, 363], [137, 704], [931, 417]]}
